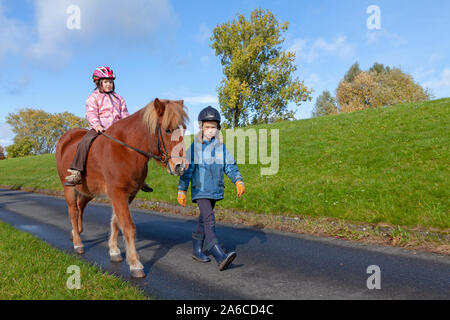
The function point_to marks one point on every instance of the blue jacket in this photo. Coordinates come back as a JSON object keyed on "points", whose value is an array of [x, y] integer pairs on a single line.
{"points": [[206, 168]]}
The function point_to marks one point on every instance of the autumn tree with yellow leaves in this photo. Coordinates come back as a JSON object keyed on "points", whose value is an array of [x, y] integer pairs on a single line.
{"points": [[258, 74], [377, 87], [38, 132]]}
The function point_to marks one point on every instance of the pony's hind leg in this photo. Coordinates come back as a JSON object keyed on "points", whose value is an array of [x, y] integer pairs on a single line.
{"points": [[120, 205], [114, 251], [71, 198]]}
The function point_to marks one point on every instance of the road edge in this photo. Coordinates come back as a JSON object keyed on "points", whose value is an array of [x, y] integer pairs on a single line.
{"points": [[414, 239]]}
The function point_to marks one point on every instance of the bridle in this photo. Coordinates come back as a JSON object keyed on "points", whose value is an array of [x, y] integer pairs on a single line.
{"points": [[164, 156]]}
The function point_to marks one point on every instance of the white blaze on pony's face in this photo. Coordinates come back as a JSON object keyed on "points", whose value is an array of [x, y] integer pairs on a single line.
{"points": [[167, 119]]}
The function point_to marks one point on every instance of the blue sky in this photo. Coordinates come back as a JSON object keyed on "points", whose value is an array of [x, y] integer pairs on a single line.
{"points": [[160, 48]]}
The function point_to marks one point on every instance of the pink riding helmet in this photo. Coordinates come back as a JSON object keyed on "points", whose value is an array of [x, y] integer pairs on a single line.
{"points": [[103, 73]]}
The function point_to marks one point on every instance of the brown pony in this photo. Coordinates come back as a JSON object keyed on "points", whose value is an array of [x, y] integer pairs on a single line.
{"points": [[118, 172]]}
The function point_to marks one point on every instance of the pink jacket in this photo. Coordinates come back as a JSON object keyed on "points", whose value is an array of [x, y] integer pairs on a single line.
{"points": [[104, 109]]}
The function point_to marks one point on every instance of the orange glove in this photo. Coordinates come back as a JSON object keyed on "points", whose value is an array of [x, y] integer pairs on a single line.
{"points": [[182, 198], [240, 188]]}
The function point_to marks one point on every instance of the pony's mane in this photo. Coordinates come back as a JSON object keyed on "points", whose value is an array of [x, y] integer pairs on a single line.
{"points": [[174, 116]]}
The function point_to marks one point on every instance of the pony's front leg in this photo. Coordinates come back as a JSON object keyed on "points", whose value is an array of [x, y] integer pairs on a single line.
{"points": [[114, 251], [120, 206]]}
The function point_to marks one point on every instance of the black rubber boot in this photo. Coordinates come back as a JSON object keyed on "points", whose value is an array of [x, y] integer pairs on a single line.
{"points": [[146, 188], [197, 253], [223, 259]]}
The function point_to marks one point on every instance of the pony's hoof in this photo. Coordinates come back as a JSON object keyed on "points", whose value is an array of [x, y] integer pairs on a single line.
{"points": [[116, 258], [137, 273], [79, 250]]}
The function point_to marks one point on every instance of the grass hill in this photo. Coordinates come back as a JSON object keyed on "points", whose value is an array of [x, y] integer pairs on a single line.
{"points": [[381, 165]]}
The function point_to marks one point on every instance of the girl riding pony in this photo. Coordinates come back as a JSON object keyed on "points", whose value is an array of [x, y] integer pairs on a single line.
{"points": [[103, 108]]}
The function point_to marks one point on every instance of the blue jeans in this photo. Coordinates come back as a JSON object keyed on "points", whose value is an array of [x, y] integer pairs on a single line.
{"points": [[206, 227]]}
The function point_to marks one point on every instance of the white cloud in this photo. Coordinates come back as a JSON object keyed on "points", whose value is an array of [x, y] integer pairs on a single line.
{"points": [[427, 71], [312, 80], [13, 34], [422, 73], [435, 57], [51, 33], [6, 142], [6, 134], [440, 86], [104, 24], [204, 34], [203, 99], [374, 36], [308, 51]]}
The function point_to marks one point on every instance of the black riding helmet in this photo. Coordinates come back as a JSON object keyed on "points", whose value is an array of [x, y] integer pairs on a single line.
{"points": [[210, 114]]}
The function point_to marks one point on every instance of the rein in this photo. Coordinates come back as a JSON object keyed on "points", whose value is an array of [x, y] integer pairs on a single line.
{"points": [[147, 154], [165, 157]]}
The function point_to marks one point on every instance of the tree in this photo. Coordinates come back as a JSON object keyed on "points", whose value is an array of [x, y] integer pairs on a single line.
{"points": [[58, 124], [325, 105], [2, 153], [380, 86], [358, 94], [258, 78], [395, 86], [379, 69], [352, 72], [40, 129], [23, 146], [28, 123]]}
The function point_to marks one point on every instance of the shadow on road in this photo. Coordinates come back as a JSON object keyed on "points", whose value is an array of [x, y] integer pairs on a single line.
{"points": [[91, 243], [166, 234]]}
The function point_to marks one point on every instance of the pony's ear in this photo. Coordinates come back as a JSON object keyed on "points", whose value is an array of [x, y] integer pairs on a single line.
{"points": [[159, 107]]}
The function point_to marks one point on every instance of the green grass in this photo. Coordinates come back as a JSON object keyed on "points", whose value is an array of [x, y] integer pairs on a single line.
{"points": [[387, 165], [31, 269]]}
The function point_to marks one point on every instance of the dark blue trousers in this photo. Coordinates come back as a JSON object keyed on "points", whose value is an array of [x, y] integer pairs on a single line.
{"points": [[206, 227]]}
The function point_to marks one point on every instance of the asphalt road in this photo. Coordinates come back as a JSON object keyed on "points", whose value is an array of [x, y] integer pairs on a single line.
{"points": [[269, 265]]}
